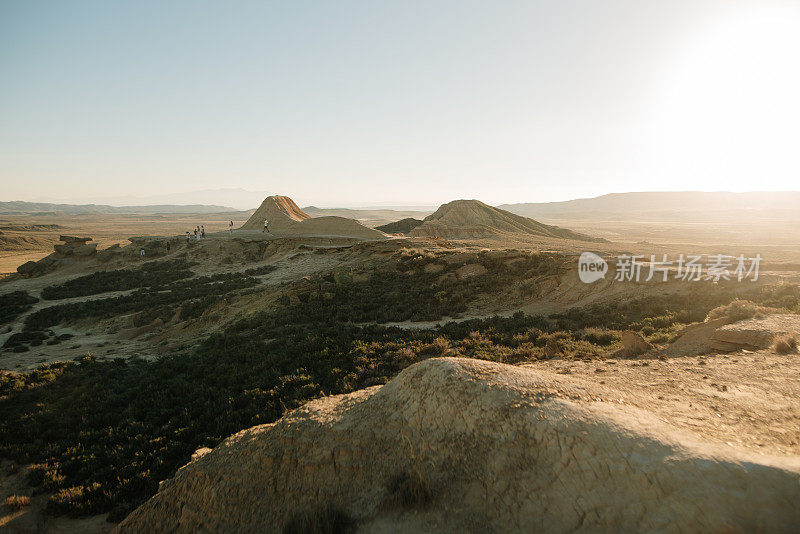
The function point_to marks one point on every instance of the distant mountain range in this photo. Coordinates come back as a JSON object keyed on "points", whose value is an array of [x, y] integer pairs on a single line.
{"points": [[688, 205], [22, 208], [662, 205], [237, 198]]}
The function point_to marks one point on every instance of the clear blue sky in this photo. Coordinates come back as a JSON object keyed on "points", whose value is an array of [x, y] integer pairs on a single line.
{"points": [[352, 102]]}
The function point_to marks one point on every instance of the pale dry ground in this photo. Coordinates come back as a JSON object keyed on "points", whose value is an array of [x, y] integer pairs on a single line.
{"points": [[106, 230], [9, 260], [744, 231], [776, 242], [745, 400]]}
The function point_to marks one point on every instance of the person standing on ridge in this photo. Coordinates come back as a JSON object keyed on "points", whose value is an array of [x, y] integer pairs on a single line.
{"points": [[230, 228], [203, 232], [266, 225]]}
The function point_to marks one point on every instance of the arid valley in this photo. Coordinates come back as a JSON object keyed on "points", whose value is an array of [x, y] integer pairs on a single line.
{"points": [[325, 375]]}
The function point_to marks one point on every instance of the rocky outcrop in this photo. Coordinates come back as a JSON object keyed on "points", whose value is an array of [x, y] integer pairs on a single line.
{"points": [[71, 249], [633, 344], [62, 250], [106, 255], [695, 339], [458, 445], [75, 246], [86, 250], [755, 334], [74, 241], [27, 268], [38, 268]]}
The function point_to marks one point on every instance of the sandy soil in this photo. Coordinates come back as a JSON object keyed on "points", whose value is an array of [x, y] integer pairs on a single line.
{"points": [[747, 400]]}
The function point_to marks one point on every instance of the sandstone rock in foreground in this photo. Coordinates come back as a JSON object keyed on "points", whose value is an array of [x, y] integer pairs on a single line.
{"points": [[479, 447], [755, 334]]}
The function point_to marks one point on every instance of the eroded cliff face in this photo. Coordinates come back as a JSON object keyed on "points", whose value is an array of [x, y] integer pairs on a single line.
{"points": [[455, 444]]}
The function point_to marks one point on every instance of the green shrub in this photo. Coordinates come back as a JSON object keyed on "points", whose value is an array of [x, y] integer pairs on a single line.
{"points": [[739, 310], [786, 345], [33, 338], [141, 300], [17, 502], [195, 308], [151, 274], [13, 304], [600, 336]]}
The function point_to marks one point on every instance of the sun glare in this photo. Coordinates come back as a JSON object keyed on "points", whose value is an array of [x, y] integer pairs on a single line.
{"points": [[727, 111]]}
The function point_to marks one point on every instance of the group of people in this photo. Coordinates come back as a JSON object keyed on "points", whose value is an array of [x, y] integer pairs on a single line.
{"points": [[200, 231]]}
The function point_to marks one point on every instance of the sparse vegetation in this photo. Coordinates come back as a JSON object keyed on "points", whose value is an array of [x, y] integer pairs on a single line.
{"points": [[17, 502], [786, 345], [655, 314], [33, 338], [153, 298], [13, 304], [407, 291], [151, 274], [739, 310]]}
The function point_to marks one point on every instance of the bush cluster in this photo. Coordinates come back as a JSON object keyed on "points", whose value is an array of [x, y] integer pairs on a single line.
{"points": [[410, 292], [156, 301], [103, 433], [151, 274], [13, 304]]}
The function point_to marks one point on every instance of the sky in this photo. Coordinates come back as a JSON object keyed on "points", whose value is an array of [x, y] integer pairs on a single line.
{"points": [[396, 102]]}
